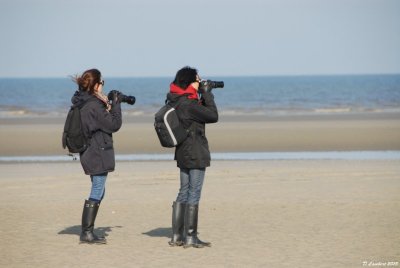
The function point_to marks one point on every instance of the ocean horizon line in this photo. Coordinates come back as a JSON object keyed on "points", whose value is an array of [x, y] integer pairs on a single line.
{"points": [[262, 95], [213, 76]]}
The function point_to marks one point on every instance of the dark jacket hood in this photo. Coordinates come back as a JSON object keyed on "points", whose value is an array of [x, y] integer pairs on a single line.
{"points": [[173, 98], [80, 97]]}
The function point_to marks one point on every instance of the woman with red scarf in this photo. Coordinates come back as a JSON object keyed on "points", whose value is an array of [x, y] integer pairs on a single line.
{"points": [[192, 155]]}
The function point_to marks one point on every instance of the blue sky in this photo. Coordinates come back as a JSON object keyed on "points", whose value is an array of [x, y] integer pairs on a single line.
{"points": [[125, 38]]}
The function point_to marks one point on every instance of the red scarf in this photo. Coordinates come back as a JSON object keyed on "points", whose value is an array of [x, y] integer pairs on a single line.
{"points": [[190, 91]]}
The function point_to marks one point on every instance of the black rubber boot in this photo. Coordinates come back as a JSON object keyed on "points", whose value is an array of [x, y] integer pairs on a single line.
{"points": [[190, 228], [178, 214], [89, 214]]}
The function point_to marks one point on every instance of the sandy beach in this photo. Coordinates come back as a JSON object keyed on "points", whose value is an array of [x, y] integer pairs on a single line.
{"points": [[42, 136], [256, 214], [269, 213]]}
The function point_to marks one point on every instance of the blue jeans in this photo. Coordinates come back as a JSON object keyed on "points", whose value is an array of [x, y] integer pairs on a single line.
{"points": [[191, 185], [98, 187]]}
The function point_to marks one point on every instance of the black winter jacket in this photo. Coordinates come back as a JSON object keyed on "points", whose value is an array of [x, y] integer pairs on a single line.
{"points": [[99, 124], [194, 151]]}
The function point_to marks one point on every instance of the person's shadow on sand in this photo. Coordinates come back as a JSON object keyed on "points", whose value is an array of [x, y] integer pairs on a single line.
{"points": [[159, 232], [77, 229], [103, 231]]}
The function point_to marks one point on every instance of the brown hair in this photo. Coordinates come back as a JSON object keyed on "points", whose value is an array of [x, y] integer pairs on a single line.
{"points": [[88, 80]]}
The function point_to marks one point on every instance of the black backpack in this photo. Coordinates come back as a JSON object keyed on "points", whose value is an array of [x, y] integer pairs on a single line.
{"points": [[168, 127], [73, 137]]}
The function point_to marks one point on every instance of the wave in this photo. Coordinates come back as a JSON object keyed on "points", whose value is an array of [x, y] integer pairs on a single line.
{"points": [[26, 113], [299, 111]]}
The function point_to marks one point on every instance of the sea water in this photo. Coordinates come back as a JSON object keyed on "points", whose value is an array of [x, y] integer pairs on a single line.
{"points": [[281, 95]]}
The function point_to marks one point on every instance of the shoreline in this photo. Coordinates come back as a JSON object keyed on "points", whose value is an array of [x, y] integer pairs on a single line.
{"points": [[232, 156], [250, 133], [240, 117]]}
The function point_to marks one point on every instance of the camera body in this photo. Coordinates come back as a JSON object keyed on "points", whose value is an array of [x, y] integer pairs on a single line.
{"points": [[121, 97], [208, 85]]}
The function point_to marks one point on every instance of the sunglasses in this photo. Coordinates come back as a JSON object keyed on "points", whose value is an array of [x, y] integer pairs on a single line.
{"points": [[102, 82]]}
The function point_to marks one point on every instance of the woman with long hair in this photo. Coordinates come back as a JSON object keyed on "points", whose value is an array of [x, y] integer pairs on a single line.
{"points": [[100, 118]]}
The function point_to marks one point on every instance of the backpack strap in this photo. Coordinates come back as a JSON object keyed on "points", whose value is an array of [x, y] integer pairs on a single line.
{"points": [[175, 106], [66, 127]]}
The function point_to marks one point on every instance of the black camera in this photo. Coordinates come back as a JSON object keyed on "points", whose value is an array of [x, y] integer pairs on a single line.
{"points": [[121, 97], [128, 99], [207, 85]]}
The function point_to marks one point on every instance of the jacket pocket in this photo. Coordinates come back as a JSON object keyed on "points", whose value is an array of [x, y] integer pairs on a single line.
{"points": [[203, 143], [91, 160], [106, 142], [206, 148]]}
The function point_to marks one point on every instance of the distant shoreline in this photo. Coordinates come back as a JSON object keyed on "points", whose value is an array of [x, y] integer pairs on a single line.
{"points": [[142, 118], [232, 156], [27, 117]]}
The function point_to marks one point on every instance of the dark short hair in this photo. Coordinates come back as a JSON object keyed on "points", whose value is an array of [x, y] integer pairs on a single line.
{"points": [[185, 76]]}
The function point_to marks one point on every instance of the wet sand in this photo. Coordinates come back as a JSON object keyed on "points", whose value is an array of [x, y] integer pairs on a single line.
{"points": [[42, 136]]}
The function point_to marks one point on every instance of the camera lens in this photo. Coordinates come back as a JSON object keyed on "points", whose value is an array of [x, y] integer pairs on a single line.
{"points": [[128, 99], [218, 84]]}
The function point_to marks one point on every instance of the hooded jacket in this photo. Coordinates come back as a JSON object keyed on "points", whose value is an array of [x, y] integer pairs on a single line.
{"points": [[98, 125], [194, 151]]}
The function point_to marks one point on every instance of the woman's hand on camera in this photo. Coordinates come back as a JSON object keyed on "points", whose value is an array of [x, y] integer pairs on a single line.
{"points": [[114, 97], [205, 86]]}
